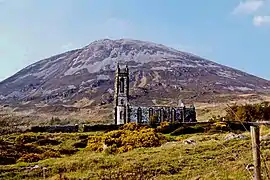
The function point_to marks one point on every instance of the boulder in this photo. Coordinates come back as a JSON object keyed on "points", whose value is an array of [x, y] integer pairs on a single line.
{"points": [[190, 141], [235, 136]]}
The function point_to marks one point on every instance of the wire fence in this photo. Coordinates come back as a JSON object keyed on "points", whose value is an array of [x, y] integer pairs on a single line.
{"points": [[258, 123]]}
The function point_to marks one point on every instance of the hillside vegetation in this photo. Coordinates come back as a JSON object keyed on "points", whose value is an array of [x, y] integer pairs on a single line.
{"points": [[203, 151], [121, 155], [249, 112]]}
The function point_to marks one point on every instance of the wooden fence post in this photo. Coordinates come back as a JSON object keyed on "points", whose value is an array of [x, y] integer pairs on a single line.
{"points": [[255, 139]]}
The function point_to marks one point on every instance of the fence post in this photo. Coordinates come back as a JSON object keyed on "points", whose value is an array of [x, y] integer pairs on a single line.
{"points": [[255, 139]]}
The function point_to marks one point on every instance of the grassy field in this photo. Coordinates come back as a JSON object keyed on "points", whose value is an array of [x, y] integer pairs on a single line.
{"points": [[210, 157], [68, 156]]}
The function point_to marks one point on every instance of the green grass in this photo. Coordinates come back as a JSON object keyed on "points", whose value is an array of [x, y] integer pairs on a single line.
{"points": [[210, 158], [27, 146]]}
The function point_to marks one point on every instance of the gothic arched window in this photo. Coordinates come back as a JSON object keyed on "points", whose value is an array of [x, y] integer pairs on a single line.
{"points": [[122, 80], [139, 115], [121, 114], [161, 115], [173, 115], [151, 112]]}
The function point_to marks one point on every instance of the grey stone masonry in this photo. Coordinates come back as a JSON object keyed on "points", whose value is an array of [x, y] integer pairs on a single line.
{"points": [[124, 112]]}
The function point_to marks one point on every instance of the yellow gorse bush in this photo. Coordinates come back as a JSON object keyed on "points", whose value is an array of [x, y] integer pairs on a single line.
{"points": [[95, 143], [131, 136]]}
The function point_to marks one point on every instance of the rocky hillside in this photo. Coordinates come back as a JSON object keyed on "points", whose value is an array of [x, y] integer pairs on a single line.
{"points": [[156, 71]]}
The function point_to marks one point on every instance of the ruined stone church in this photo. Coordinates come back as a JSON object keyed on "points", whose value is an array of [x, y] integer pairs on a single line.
{"points": [[124, 112]]}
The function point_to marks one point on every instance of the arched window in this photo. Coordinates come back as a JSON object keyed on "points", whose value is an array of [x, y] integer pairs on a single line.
{"points": [[161, 115], [173, 115], [122, 101], [139, 115], [122, 81], [121, 114], [151, 112], [168, 114]]}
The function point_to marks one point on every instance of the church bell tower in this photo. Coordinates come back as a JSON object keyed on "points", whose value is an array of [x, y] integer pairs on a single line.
{"points": [[121, 94]]}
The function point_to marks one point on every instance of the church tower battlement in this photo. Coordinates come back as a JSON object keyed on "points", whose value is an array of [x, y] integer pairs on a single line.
{"points": [[121, 95]]}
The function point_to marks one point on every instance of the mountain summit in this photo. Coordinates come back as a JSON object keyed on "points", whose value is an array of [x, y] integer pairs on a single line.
{"points": [[156, 71]]}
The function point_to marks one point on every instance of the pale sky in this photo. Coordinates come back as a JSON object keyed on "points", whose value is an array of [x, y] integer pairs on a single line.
{"points": [[231, 32]]}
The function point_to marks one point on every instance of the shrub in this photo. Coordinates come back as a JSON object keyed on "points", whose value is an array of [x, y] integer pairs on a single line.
{"points": [[249, 112], [125, 140], [111, 149], [220, 125], [55, 121], [132, 126], [4, 160], [32, 157], [164, 124], [26, 138], [153, 120], [47, 141], [67, 150], [80, 144], [29, 148], [216, 118], [245, 113], [189, 130], [50, 154], [163, 127], [95, 143]]}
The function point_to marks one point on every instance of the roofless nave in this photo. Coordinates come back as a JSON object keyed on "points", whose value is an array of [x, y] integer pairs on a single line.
{"points": [[124, 112]]}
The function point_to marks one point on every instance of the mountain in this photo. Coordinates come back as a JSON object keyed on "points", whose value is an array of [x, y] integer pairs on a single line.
{"points": [[157, 73]]}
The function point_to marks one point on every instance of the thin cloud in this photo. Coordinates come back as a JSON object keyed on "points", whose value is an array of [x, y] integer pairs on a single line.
{"points": [[248, 6], [261, 20]]}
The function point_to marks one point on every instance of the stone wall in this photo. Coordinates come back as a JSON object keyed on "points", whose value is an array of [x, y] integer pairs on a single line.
{"points": [[57, 128], [232, 125], [100, 127]]}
